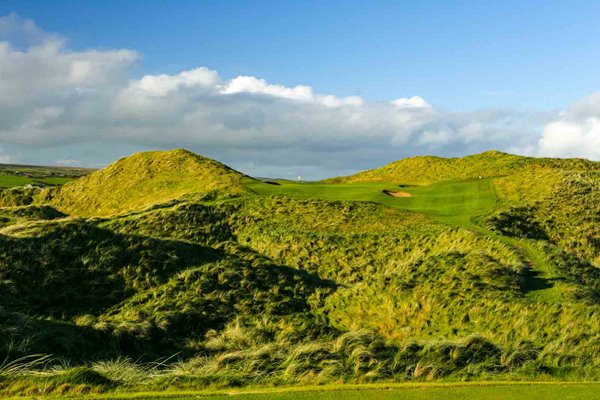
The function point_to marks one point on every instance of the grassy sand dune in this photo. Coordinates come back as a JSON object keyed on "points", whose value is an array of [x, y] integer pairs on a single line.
{"points": [[145, 179], [171, 272], [424, 170]]}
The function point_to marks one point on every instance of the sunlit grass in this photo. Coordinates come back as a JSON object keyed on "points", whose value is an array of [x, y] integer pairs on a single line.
{"points": [[273, 285]]}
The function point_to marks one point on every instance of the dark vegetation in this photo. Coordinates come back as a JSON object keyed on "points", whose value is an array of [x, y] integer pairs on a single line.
{"points": [[518, 222], [208, 283]]}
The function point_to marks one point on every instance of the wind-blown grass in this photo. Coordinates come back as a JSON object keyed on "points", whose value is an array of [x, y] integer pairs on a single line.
{"points": [[145, 179], [259, 284]]}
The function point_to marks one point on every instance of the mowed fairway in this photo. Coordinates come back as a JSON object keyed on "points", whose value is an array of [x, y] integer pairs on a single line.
{"points": [[450, 202], [468, 391]]}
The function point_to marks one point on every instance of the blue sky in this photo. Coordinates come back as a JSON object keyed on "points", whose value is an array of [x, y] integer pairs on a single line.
{"points": [[457, 54], [528, 59]]}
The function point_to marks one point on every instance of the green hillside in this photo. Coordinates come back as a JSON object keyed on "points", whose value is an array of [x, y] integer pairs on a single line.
{"points": [[424, 170], [145, 179], [189, 275]]}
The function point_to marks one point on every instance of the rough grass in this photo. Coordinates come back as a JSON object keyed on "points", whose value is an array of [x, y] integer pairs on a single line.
{"points": [[428, 169], [145, 179], [238, 283]]}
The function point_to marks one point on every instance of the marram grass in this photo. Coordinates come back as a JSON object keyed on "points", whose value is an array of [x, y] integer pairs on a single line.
{"points": [[169, 271]]}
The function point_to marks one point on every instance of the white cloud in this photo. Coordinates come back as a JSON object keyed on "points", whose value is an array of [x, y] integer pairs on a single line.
{"points": [[48, 71], [51, 96], [411, 102], [49, 93], [250, 84], [439, 137], [21, 32], [575, 133], [162, 85]]}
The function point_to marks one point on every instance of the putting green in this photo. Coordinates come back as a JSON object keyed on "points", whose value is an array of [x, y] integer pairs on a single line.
{"points": [[449, 202]]}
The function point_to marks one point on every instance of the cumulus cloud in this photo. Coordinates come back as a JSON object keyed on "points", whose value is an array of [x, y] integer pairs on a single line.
{"points": [[575, 133], [51, 96], [411, 102], [21, 32], [247, 114], [250, 84]]}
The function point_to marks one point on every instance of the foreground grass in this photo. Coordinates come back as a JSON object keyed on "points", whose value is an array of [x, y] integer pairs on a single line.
{"points": [[400, 391]]}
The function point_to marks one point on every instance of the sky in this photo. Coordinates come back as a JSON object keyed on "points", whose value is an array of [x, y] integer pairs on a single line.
{"points": [[288, 88]]}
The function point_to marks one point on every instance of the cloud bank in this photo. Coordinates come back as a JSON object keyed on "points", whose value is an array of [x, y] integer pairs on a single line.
{"points": [[58, 104], [575, 132]]}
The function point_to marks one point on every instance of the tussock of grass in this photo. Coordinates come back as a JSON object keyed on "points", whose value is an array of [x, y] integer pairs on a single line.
{"points": [[18, 196]]}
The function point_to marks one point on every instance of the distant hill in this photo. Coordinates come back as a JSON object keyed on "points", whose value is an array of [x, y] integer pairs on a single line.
{"points": [[41, 171], [144, 179], [15, 175], [430, 169]]}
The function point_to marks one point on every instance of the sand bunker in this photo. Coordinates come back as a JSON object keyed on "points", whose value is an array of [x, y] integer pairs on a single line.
{"points": [[397, 194]]}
